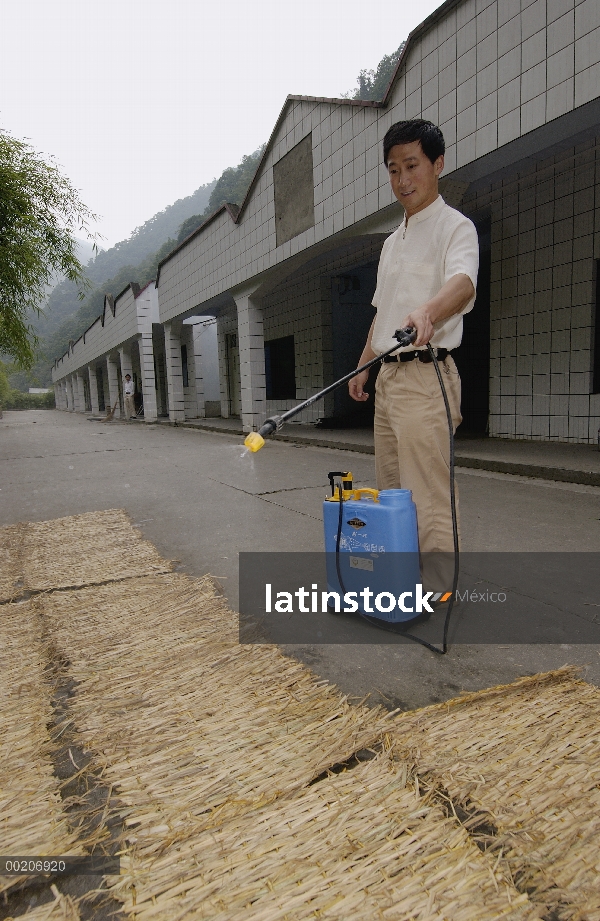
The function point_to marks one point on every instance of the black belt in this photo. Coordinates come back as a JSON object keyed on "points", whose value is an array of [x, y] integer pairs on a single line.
{"points": [[422, 354]]}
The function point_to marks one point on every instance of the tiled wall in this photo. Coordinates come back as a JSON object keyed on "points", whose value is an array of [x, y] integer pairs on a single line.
{"points": [[100, 339], [488, 71], [545, 236], [301, 307]]}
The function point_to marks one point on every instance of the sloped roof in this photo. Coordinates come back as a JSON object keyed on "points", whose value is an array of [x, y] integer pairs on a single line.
{"points": [[236, 212]]}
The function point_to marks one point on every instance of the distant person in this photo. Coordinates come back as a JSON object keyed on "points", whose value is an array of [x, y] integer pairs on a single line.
{"points": [[128, 393]]}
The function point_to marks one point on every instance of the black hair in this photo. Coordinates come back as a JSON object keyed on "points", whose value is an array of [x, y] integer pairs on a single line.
{"points": [[416, 129]]}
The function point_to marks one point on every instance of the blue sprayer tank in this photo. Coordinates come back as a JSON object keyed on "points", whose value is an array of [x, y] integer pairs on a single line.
{"points": [[378, 547]]}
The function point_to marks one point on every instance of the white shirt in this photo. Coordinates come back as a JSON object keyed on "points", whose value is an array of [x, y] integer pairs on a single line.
{"points": [[129, 388], [416, 261]]}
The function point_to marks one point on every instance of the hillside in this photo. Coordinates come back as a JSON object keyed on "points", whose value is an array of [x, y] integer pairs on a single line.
{"points": [[66, 316]]}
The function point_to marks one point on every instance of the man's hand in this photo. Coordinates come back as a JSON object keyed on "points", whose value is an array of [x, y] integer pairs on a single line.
{"points": [[355, 387], [420, 320], [450, 299]]}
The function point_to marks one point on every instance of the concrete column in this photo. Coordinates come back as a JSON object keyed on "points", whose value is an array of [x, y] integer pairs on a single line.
{"points": [[148, 377], [75, 392], [222, 362], [174, 373], [190, 395], [80, 392], [113, 386], [196, 368], [126, 368], [65, 404], [126, 365], [252, 362], [93, 389], [69, 394]]}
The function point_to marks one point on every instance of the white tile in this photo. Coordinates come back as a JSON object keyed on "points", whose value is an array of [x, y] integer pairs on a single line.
{"points": [[509, 127], [558, 8], [509, 97], [466, 94], [560, 99], [509, 66], [560, 67], [587, 17], [486, 139], [587, 50], [466, 66], [509, 35], [466, 123], [487, 80], [533, 114], [533, 82], [466, 38], [586, 85], [561, 33]]}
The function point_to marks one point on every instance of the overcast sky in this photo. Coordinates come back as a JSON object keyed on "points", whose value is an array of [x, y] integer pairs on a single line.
{"points": [[142, 101]]}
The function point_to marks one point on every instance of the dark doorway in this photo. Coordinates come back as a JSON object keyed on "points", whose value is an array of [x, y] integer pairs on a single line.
{"points": [[351, 317], [280, 369], [473, 356], [100, 385]]}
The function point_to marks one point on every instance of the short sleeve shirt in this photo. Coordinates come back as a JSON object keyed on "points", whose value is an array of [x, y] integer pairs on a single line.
{"points": [[416, 261]]}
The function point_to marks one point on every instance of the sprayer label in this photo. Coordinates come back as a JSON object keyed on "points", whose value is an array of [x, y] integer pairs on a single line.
{"points": [[356, 523], [359, 562]]}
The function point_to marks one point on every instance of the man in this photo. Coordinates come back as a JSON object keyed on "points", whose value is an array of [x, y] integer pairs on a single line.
{"points": [[426, 279], [128, 394]]}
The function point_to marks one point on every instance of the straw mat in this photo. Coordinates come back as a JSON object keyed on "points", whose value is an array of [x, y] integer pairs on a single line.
{"points": [[213, 745], [525, 758], [247, 788], [63, 908], [32, 822], [11, 570], [183, 715], [85, 549], [357, 845]]}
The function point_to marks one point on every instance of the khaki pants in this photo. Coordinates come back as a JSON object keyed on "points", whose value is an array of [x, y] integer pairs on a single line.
{"points": [[412, 445], [129, 406]]}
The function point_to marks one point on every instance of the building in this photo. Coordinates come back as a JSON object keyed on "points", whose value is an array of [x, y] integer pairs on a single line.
{"points": [[512, 86], [127, 338], [290, 275]]}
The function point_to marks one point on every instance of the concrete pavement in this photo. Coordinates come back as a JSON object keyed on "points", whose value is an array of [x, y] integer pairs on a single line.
{"points": [[193, 494]]}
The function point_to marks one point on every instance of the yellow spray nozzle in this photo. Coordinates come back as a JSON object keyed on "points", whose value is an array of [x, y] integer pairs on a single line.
{"points": [[254, 441]]}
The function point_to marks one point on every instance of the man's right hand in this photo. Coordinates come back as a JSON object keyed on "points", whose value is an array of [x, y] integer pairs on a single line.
{"points": [[356, 385]]}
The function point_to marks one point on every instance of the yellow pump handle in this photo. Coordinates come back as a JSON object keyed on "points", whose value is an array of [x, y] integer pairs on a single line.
{"points": [[366, 491]]}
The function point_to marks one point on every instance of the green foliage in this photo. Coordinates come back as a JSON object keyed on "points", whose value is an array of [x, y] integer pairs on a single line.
{"points": [[76, 316], [231, 187], [11, 398], [372, 84], [39, 212], [15, 399], [5, 387]]}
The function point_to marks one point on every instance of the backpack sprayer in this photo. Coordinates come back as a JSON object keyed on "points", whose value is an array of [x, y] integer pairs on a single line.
{"points": [[390, 512]]}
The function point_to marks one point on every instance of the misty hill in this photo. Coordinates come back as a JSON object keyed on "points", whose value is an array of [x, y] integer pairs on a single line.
{"points": [[136, 259], [67, 316], [149, 237]]}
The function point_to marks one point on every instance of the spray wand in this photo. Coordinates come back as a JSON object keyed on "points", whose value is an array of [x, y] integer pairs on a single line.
{"points": [[255, 440]]}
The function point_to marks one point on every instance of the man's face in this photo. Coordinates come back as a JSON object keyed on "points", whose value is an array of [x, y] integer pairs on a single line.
{"points": [[413, 177]]}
